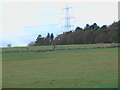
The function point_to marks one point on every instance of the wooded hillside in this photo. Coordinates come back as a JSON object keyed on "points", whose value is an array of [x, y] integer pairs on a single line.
{"points": [[90, 34]]}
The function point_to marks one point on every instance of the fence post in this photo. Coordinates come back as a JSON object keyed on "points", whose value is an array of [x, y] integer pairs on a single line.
{"points": [[27, 48], [54, 47]]}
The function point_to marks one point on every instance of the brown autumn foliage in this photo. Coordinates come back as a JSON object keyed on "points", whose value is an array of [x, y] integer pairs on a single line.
{"points": [[91, 34], [96, 34]]}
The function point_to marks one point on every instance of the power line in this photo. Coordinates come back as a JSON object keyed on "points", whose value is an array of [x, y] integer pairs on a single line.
{"points": [[48, 25]]}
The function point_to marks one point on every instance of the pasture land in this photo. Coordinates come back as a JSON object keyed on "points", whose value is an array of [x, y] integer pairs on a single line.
{"points": [[84, 68]]}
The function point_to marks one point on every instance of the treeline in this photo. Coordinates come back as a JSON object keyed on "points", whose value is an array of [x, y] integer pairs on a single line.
{"points": [[90, 34], [43, 40]]}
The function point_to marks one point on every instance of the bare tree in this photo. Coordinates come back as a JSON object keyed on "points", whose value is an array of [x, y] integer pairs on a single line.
{"points": [[9, 45]]}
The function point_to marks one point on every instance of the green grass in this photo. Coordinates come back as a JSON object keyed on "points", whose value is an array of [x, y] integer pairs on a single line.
{"points": [[87, 68]]}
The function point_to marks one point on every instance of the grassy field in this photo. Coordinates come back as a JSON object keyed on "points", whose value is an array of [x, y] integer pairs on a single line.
{"points": [[85, 68]]}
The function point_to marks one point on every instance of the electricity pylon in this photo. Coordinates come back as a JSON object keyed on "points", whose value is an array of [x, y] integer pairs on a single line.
{"points": [[68, 26]]}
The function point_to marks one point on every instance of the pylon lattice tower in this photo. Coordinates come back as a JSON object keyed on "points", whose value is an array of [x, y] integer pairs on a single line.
{"points": [[68, 26]]}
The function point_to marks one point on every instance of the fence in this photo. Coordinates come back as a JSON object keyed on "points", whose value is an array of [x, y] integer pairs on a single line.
{"points": [[57, 47]]}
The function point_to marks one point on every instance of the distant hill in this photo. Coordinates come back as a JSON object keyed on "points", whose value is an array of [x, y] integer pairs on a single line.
{"points": [[91, 34]]}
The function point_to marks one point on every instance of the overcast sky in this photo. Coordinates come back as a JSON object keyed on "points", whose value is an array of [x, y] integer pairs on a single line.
{"points": [[22, 22]]}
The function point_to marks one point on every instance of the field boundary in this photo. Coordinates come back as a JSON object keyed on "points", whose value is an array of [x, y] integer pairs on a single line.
{"points": [[58, 47]]}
